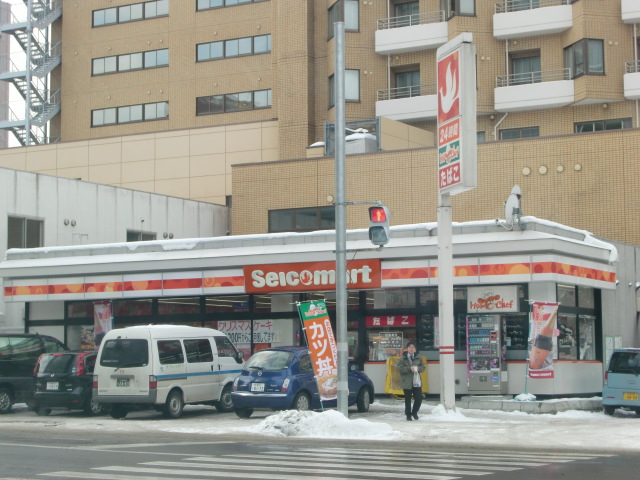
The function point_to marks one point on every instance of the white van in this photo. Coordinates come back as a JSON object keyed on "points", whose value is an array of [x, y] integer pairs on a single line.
{"points": [[165, 367]]}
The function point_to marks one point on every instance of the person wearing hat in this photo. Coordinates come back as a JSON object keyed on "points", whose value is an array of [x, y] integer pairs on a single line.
{"points": [[411, 366]]}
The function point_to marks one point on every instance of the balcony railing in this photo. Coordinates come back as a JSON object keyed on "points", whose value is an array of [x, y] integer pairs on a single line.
{"points": [[411, 20], [518, 5], [533, 77], [406, 92], [632, 66]]}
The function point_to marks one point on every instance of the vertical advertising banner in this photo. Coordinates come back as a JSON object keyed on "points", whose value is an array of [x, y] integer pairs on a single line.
{"points": [[457, 136], [322, 346], [542, 339], [102, 320]]}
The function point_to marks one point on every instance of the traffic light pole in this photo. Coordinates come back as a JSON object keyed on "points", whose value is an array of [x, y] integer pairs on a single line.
{"points": [[341, 225]]}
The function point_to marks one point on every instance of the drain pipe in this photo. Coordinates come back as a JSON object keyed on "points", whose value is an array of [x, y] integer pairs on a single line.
{"points": [[495, 128]]}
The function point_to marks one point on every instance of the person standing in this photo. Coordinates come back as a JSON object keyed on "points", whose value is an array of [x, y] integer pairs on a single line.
{"points": [[411, 366]]}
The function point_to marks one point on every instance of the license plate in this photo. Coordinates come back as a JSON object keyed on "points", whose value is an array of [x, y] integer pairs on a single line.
{"points": [[630, 396], [52, 385], [257, 387], [122, 382]]}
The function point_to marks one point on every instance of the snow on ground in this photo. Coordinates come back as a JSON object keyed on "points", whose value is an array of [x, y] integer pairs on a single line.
{"points": [[385, 421]]}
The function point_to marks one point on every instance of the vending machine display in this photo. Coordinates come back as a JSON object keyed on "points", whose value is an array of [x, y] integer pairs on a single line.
{"points": [[486, 354]]}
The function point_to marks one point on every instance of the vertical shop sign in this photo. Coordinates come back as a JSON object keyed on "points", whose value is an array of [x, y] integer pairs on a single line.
{"points": [[322, 346], [543, 343], [102, 320], [457, 136]]}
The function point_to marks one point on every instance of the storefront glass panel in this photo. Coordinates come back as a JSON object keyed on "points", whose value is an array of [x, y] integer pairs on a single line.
{"points": [[132, 308], [586, 297], [353, 299], [179, 306], [392, 298], [80, 310], [285, 302], [567, 344], [227, 303], [587, 337], [567, 295]]}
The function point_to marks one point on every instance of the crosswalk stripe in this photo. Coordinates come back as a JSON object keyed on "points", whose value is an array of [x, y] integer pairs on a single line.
{"points": [[243, 474], [105, 476], [304, 466], [266, 459]]}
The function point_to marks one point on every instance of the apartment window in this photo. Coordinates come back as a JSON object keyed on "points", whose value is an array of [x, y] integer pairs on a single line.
{"points": [[233, 48], [585, 57], [209, 4], [516, 5], [302, 219], [524, 132], [233, 102], [481, 137], [130, 13], [406, 13], [140, 236], [407, 84], [129, 114], [598, 125], [24, 232], [526, 68], [350, 17], [458, 7], [131, 61], [351, 87]]}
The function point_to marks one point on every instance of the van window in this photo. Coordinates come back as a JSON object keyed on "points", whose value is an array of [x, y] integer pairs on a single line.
{"points": [[170, 352], [625, 362], [198, 350], [225, 347], [125, 352]]}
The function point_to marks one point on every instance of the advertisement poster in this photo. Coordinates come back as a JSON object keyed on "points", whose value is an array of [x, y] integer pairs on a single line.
{"points": [[239, 332], [102, 320], [322, 346], [543, 331], [87, 339]]}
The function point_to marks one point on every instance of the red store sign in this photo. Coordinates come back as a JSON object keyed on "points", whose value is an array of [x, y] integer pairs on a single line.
{"points": [[391, 321], [311, 276]]}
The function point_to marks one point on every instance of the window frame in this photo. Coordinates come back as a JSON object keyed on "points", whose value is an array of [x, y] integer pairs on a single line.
{"points": [[227, 101], [25, 235], [332, 101], [114, 111], [293, 224], [351, 24], [119, 59], [224, 46], [147, 14], [583, 45], [626, 122], [224, 4], [521, 130]]}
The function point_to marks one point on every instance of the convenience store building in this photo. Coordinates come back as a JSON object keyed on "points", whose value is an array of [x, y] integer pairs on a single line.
{"points": [[247, 286]]}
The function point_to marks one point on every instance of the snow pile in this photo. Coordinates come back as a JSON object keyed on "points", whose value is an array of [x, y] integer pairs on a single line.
{"points": [[525, 397], [327, 424]]}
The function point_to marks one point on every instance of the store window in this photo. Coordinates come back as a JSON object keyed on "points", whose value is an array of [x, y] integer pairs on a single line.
{"points": [[391, 298], [599, 125], [353, 299], [179, 306], [585, 57], [566, 295], [586, 297], [567, 338], [24, 232], [281, 302], [132, 308], [227, 303]]}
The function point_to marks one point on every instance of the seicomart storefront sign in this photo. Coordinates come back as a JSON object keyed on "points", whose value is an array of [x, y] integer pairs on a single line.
{"points": [[296, 277]]}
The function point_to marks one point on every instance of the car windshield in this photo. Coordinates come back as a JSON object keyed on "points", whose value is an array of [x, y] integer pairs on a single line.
{"points": [[125, 352], [270, 360], [55, 364]]}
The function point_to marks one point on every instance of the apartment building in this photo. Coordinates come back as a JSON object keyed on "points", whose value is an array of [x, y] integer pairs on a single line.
{"points": [[217, 100]]}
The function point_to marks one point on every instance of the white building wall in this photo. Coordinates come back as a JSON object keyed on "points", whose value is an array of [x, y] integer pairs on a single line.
{"points": [[76, 212]]}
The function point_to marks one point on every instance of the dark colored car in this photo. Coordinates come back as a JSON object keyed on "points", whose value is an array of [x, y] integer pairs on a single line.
{"points": [[65, 380], [19, 353], [282, 378]]}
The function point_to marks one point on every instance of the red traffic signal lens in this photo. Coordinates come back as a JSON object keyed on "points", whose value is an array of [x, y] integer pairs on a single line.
{"points": [[377, 214]]}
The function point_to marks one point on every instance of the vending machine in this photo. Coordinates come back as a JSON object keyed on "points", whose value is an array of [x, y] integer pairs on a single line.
{"points": [[486, 355]]}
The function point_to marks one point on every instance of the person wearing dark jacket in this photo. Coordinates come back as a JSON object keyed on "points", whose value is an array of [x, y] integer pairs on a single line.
{"points": [[411, 367]]}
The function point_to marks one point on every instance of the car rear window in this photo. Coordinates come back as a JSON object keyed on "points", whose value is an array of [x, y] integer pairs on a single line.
{"points": [[125, 352], [55, 364], [625, 362], [270, 360]]}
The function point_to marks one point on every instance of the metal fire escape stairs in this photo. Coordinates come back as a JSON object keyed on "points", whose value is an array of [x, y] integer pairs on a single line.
{"points": [[29, 123]]}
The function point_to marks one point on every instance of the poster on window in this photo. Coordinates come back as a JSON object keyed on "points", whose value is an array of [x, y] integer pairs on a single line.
{"points": [[542, 339], [322, 346], [102, 320]]}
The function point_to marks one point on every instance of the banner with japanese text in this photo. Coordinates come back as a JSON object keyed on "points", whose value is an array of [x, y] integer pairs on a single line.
{"points": [[102, 320], [322, 346], [543, 333]]}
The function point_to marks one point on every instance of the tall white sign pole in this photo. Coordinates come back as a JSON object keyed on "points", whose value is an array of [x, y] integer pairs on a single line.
{"points": [[457, 172]]}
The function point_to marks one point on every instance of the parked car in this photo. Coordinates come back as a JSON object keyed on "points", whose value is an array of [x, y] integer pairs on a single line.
{"points": [[65, 380], [622, 381], [282, 378], [19, 353]]}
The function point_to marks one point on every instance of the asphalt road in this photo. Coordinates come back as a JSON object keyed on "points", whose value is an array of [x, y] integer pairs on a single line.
{"points": [[34, 453]]}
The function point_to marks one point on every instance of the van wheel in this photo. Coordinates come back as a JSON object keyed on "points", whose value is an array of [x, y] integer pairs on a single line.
{"points": [[608, 410], [174, 405], [6, 402], [301, 402], [42, 411], [364, 400], [244, 412], [118, 412], [225, 404], [92, 407]]}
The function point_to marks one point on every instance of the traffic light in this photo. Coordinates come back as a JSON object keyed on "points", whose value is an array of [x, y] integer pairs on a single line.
{"points": [[379, 225]]}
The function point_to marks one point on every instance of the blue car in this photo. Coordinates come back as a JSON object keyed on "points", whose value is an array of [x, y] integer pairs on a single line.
{"points": [[281, 378]]}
